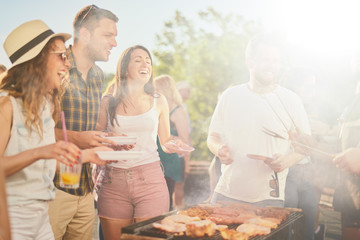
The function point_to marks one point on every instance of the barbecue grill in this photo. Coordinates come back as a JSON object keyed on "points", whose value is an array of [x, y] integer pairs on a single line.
{"points": [[291, 228]]}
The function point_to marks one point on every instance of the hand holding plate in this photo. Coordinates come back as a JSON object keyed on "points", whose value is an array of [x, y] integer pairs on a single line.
{"points": [[177, 146]]}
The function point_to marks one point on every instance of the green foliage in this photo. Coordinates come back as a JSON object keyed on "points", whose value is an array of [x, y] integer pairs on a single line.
{"points": [[210, 54], [108, 78]]}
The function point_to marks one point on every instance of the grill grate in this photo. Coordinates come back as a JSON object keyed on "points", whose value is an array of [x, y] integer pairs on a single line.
{"points": [[293, 224]]}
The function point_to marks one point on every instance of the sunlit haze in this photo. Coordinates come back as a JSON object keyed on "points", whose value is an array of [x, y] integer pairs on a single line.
{"points": [[327, 28]]}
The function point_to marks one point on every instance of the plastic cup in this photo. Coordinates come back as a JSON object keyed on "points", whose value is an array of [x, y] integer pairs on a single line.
{"points": [[70, 175]]}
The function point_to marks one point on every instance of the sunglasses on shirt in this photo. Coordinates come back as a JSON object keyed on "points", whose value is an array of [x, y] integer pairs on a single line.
{"points": [[274, 184]]}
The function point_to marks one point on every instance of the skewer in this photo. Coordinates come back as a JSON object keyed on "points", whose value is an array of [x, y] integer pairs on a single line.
{"points": [[282, 103], [315, 149], [277, 115], [274, 134]]}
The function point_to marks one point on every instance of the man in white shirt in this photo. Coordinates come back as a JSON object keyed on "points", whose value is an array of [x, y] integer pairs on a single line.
{"points": [[236, 129]]}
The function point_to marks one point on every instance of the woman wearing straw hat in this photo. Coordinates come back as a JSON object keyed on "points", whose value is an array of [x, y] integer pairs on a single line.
{"points": [[30, 92]]}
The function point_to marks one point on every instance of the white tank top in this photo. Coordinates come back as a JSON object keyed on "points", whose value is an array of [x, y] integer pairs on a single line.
{"points": [[143, 126]]}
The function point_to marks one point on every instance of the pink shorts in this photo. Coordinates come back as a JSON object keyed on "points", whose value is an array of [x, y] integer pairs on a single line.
{"points": [[138, 192]]}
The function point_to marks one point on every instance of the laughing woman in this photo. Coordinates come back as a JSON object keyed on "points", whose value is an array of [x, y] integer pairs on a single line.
{"points": [[136, 189], [29, 102]]}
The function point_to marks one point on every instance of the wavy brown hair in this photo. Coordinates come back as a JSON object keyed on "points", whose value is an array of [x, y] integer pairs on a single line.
{"points": [[121, 86], [167, 84], [28, 82]]}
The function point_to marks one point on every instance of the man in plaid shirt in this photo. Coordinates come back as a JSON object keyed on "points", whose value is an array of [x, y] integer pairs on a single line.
{"points": [[72, 213]]}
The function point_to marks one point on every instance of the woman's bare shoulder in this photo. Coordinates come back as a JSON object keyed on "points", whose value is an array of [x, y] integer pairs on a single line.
{"points": [[5, 103], [5, 107], [160, 99]]}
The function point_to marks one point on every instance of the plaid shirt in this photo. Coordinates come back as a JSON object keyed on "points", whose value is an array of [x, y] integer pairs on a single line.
{"points": [[81, 103]]}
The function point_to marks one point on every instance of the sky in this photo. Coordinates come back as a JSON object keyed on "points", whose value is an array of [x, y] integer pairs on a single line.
{"points": [[139, 20], [321, 24]]}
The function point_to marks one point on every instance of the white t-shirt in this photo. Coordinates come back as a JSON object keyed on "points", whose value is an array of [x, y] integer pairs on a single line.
{"points": [[239, 118]]}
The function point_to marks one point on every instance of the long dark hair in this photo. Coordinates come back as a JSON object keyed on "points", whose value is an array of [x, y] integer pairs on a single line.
{"points": [[121, 90]]}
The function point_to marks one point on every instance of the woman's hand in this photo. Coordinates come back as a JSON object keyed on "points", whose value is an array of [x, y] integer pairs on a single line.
{"points": [[175, 145], [91, 139], [67, 153], [90, 155]]}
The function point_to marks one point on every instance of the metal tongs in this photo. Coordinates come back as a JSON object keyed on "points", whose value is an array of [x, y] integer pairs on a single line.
{"points": [[276, 135]]}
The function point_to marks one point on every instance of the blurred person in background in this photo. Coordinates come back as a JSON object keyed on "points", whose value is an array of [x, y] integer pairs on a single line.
{"points": [[72, 213], [30, 95], [347, 191], [184, 88], [2, 69], [134, 191], [346, 198], [237, 129], [174, 172], [349, 160], [307, 178], [110, 87]]}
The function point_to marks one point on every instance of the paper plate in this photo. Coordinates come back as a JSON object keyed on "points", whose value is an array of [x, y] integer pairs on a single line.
{"points": [[119, 155], [259, 157], [121, 140], [173, 146]]}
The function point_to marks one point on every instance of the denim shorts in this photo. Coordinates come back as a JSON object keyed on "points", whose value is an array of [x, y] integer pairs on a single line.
{"points": [[138, 192]]}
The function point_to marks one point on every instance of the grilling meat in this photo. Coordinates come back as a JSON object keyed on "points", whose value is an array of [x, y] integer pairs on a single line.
{"points": [[200, 212], [170, 227], [227, 220], [232, 234], [205, 219], [275, 212], [228, 215], [178, 218], [174, 223], [274, 220], [200, 228], [251, 229], [262, 222], [221, 227]]}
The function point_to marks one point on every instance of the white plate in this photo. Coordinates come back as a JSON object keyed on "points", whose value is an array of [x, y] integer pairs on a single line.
{"points": [[173, 146], [119, 155], [121, 140]]}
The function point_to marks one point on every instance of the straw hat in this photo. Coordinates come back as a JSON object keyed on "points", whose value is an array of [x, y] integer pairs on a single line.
{"points": [[27, 40]]}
